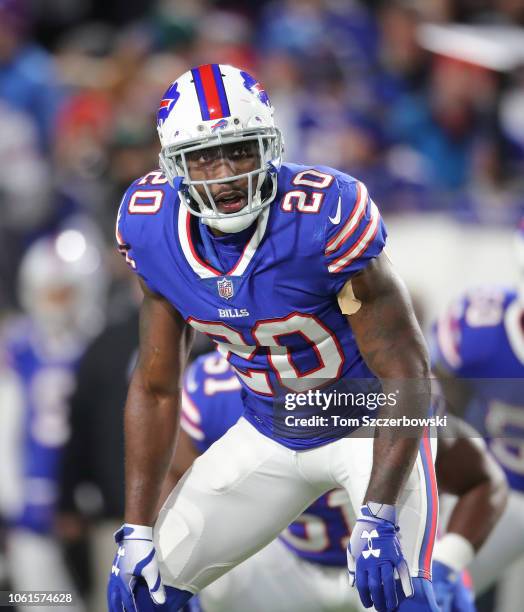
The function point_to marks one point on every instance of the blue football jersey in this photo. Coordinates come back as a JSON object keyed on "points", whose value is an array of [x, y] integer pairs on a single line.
{"points": [[211, 404], [274, 313], [481, 338], [45, 382]]}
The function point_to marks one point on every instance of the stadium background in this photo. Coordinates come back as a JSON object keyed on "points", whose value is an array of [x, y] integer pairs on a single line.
{"points": [[422, 100]]}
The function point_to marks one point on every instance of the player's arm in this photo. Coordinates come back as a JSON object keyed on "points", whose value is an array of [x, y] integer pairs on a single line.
{"points": [[456, 391], [150, 421], [152, 406], [464, 468], [391, 343]]}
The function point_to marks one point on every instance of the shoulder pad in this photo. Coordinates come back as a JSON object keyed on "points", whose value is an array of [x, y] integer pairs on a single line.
{"points": [[354, 230], [142, 214]]}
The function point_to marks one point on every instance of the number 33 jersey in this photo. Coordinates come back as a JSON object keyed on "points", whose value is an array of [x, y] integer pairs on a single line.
{"points": [[273, 312]]}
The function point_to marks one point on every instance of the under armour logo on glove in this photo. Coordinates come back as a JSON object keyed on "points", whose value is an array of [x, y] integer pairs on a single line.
{"points": [[375, 558], [366, 535], [134, 558]]}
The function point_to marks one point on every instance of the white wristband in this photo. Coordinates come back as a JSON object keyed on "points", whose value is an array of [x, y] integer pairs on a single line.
{"points": [[454, 550], [140, 532]]}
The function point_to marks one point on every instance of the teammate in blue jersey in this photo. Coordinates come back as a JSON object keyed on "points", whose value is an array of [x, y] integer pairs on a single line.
{"points": [[478, 354], [281, 265], [59, 289], [305, 568]]}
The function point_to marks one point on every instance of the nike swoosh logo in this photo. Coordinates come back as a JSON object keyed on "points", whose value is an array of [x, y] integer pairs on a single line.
{"points": [[336, 219]]}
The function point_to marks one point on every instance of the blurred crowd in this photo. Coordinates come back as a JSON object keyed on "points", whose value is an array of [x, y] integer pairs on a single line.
{"points": [[423, 100]]}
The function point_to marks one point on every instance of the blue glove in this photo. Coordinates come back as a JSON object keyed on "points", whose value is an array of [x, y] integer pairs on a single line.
{"points": [[451, 592], [375, 558], [135, 557], [444, 582], [464, 600]]}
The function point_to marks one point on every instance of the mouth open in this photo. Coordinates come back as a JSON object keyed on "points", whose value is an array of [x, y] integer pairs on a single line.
{"points": [[232, 203]]}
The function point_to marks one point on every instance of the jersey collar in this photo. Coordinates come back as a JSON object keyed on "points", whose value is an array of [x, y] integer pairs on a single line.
{"points": [[201, 267]]}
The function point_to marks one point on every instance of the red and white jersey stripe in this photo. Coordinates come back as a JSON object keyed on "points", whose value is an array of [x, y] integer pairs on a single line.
{"points": [[351, 225], [190, 419], [354, 241]]}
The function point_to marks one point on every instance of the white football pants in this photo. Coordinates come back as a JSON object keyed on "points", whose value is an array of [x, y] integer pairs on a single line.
{"points": [[503, 549], [246, 488], [277, 580]]}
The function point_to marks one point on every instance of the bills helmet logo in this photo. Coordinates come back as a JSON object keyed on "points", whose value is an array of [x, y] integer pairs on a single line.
{"points": [[167, 103], [225, 288], [255, 87], [219, 125]]}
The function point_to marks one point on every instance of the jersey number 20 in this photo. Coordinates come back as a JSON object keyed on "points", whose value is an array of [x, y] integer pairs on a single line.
{"points": [[268, 334]]}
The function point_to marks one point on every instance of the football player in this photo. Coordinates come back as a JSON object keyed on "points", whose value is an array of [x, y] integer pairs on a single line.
{"points": [[478, 354], [283, 266], [61, 287], [305, 568]]}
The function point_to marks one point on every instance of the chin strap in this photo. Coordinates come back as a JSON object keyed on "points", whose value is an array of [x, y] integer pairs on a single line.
{"points": [[228, 225], [233, 225]]}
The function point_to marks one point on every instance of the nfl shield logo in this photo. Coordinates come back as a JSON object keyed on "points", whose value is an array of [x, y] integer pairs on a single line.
{"points": [[225, 288]]}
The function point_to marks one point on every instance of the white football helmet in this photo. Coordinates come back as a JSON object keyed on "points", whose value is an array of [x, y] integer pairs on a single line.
{"points": [[62, 286], [215, 105]]}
